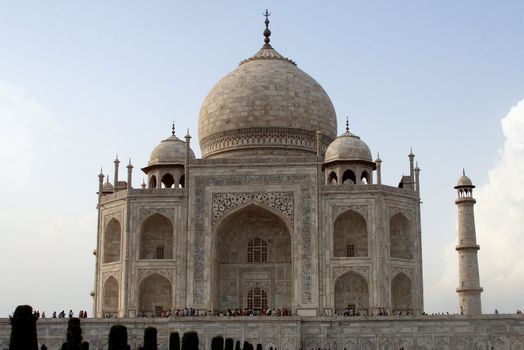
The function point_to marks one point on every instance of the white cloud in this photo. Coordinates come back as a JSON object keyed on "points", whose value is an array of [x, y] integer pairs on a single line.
{"points": [[500, 221], [499, 216]]}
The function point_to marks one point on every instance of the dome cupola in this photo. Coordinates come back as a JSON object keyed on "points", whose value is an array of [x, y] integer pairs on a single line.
{"points": [[165, 168], [265, 107], [348, 160]]}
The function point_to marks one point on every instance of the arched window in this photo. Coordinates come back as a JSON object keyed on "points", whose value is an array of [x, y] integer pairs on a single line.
{"points": [[156, 238], [401, 298], [152, 181], [112, 241], [168, 181], [365, 177], [154, 296], [257, 251], [110, 297], [256, 298], [182, 182], [350, 235], [349, 177], [332, 178], [400, 237]]}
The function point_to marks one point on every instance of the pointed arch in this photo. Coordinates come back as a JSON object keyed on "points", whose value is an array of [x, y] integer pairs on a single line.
{"points": [[167, 180], [401, 293], [235, 273], [332, 178], [349, 177], [112, 239], [155, 295], [401, 240], [365, 178], [351, 294], [110, 297], [156, 238], [152, 181], [350, 235]]}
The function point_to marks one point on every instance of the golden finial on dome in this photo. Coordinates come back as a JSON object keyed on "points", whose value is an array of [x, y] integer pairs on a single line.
{"points": [[173, 128], [347, 123], [267, 32]]}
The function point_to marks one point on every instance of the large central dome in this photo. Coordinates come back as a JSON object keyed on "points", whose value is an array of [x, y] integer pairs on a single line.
{"points": [[265, 107]]}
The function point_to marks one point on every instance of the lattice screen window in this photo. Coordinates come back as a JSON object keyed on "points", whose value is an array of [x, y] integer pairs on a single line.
{"points": [[256, 298], [160, 252], [257, 251], [350, 250]]}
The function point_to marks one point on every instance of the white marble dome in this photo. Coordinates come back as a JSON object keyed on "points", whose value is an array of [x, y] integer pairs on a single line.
{"points": [[348, 147], [464, 181], [267, 106], [170, 151]]}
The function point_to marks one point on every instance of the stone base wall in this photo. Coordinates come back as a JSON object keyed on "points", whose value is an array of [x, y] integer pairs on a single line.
{"points": [[286, 333]]}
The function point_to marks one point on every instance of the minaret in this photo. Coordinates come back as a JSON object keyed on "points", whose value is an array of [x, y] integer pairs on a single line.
{"points": [[378, 161], [469, 282], [115, 178]]}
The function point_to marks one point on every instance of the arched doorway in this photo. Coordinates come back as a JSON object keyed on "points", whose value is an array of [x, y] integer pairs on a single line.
{"points": [[252, 261], [401, 295], [400, 237], [112, 241], [154, 295], [110, 297], [351, 293], [350, 236], [156, 238]]}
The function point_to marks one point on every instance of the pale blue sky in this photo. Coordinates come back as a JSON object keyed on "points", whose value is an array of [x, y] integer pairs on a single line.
{"points": [[81, 81]]}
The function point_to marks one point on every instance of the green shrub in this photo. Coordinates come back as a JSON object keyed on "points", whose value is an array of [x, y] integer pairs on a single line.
{"points": [[74, 335], [259, 347], [217, 343], [174, 341], [118, 338], [228, 345], [237, 345], [23, 329], [150, 338], [85, 345], [190, 341]]}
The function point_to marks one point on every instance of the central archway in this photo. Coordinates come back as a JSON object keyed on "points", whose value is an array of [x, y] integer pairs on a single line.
{"points": [[252, 253]]}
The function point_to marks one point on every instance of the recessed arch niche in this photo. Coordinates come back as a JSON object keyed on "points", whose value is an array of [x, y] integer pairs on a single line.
{"points": [[235, 270]]}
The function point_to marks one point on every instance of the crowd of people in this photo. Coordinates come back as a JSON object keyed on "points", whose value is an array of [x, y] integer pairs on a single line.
{"points": [[61, 314]]}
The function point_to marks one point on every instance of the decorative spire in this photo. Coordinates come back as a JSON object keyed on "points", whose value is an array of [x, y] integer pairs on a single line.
{"points": [[347, 123], [173, 128], [267, 32], [463, 172]]}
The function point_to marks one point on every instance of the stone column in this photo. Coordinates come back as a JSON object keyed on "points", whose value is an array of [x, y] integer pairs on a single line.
{"points": [[469, 282]]}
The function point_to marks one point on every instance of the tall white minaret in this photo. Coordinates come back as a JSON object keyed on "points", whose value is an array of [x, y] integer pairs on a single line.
{"points": [[469, 282]]}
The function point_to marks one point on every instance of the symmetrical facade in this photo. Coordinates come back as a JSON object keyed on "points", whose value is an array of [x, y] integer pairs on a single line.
{"points": [[278, 213]]}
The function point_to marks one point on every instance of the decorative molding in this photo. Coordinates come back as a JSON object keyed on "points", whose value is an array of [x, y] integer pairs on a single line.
{"points": [[305, 203], [339, 270], [164, 272], [223, 203], [145, 212], [117, 215], [114, 273], [336, 210], [285, 139], [395, 270], [407, 212]]}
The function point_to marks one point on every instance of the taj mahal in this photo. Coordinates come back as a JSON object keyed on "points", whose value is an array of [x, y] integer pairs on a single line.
{"points": [[285, 210]]}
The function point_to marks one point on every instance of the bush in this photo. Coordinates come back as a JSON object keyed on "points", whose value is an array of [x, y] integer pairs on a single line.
{"points": [[259, 346], [174, 341], [85, 345], [118, 338], [74, 335], [217, 343], [229, 344], [150, 338], [23, 329], [237, 345], [190, 341]]}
